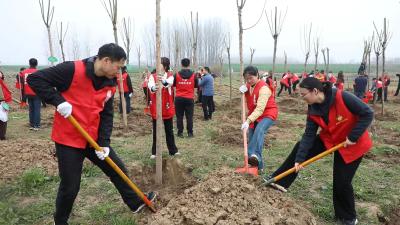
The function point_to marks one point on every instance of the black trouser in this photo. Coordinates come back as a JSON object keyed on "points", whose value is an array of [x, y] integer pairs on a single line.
{"points": [[127, 103], [199, 95], [169, 136], [286, 88], [70, 162], [3, 129], [343, 195], [207, 103], [398, 89], [184, 106]]}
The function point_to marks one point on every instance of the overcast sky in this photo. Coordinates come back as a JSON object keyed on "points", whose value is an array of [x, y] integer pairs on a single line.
{"points": [[342, 25]]}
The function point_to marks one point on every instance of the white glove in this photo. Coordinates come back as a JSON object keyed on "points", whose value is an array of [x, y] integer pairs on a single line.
{"points": [[154, 88], [245, 125], [65, 109], [130, 95], [243, 89], [102, 155]]}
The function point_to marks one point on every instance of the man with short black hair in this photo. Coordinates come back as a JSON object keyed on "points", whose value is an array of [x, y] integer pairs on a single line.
{"points": [[185, 82], [34, 101], [86, 88]]}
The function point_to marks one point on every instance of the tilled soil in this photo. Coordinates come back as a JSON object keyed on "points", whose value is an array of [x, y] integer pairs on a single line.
{"points": [[16, 156], [228, 198]]}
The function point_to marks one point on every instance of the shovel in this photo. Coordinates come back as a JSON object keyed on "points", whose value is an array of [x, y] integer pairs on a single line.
{"points": [[305, 163], [246, 169], [112, 164]]}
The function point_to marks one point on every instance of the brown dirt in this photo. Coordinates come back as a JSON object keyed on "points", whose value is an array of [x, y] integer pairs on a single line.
{"points": [[228, 198], [389, 136], [392, 219], [16, 156]]}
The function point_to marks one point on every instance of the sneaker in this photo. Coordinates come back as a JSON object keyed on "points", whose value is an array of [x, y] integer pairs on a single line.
{"points": [[151, 196], [349, 222], [31, 128], [152, 156], [179, 135], [35, 128], [253, 160], [190, 135], [176, 154]]}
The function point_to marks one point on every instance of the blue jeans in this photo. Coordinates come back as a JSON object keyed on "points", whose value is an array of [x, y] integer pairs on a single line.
{"points": [[256, 139], [34, 111]]}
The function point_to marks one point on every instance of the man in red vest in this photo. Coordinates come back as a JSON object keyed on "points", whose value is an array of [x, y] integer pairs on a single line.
{"points": [[19, 85], [34, 101], [84, 89], [127, 90], [185, 82], [262, 113], [341, 117]]}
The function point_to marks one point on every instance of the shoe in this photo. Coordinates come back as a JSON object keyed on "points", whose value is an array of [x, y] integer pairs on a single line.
{"points": [[152, 156], [253, 160], [190, 135], [180, 135], [349, 222], [35, 128], [31, 128], [151, 196], [176, 154]]}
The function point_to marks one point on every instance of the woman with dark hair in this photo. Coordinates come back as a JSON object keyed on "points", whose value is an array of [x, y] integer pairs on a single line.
{"points": [[340, 81], [167, 106], [342, 117], [262, 113]]}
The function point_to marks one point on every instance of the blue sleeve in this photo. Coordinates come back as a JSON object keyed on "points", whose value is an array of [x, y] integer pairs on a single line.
{"points": [[307, 140], [363, 111]]}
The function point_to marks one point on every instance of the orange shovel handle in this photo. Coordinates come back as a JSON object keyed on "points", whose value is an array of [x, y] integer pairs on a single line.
{"points": [[305, 163], [111, 163]]}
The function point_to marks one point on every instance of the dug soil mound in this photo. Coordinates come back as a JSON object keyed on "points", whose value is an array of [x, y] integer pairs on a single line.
{"points": [[16, 156], [292, 105], [226, 198]]}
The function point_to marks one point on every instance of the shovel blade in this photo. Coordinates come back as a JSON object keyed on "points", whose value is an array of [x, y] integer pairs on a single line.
{"points": [[247, 170]]}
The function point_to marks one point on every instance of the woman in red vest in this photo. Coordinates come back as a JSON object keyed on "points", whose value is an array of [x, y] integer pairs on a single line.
{"points": [[341, 116], [262, 113], [340, 81], [127, 90], [285, 83], [167, 104], [85, 89]]}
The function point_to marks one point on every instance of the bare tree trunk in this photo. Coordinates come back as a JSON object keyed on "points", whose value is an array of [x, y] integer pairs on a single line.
{"points": [[285, 61], [159, 103], [230, 73], [252, 51], [240, 36], [195, 33], [48, 19], [61, 38], [327, 64]]}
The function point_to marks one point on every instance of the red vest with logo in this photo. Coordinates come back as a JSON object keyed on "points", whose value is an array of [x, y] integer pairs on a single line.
{"points": [[341, 122], [87, 103], [28, 90], [124, 82], [167, 104], [285, 80], [271, 109], [294, 77], [185, 87]]}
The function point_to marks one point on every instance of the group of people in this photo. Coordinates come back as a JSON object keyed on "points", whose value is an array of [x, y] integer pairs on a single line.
{"points": [[85, 89]]}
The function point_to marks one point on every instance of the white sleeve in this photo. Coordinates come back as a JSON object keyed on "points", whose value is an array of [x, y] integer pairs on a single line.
{"points": [[170, 81], [151, 82]]}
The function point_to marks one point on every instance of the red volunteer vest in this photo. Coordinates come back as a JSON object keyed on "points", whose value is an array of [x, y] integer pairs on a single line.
{"points": [[285, 80], [341, 122], [339, 86], [6, 92], [87, 103], [27, 88], [332, 79], [168, 107], [271, 109], [185, 87], [124, 82], [294, 78], [321, 77], [379, 84]]}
